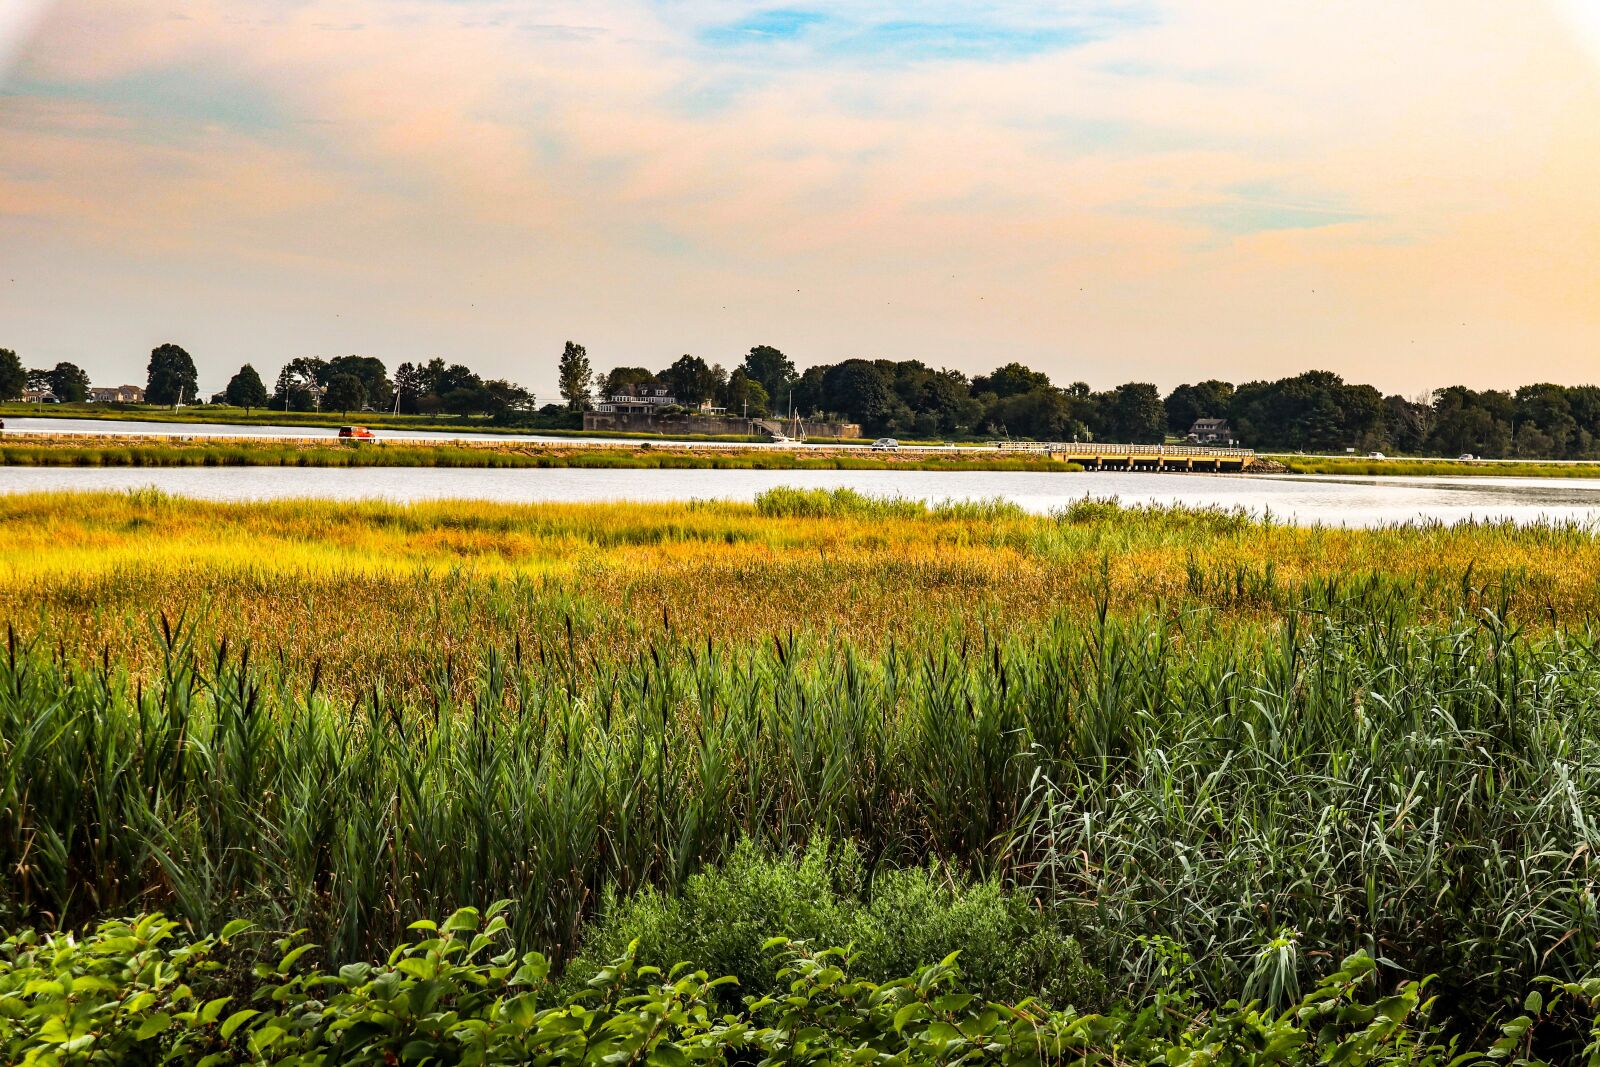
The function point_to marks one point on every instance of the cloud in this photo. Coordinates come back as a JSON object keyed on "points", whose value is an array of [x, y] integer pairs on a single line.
{"points": [[1093, 187]]}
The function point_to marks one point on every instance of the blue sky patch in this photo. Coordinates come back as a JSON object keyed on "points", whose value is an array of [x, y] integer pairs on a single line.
{"points": [[964, 34]]}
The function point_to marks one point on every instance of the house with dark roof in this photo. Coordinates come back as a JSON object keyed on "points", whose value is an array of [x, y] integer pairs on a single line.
{"points": [[1212, 432]]}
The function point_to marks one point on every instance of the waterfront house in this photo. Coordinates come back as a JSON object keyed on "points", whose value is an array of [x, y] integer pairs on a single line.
{"points": [[637, 400], [1212, 432], [116, 394]]}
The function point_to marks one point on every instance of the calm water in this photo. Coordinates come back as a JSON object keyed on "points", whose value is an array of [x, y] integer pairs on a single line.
{"points": [[1334, 502]]}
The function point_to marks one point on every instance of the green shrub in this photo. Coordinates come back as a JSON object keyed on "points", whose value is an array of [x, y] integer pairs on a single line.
{"points": [[133, 993], [897, 922]]}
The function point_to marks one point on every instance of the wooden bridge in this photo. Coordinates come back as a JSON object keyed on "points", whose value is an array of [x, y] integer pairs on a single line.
{"points": [[1098, 456]]}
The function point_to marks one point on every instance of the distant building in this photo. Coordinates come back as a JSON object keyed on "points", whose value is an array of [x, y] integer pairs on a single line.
{"points": [[36, 396], [637, 400], [116, 394], [1212, 432]]}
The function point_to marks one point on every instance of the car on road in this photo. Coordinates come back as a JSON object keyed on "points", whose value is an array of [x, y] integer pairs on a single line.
{"points": [[356, 433], [1468, 456], [1376, 455], [885, 444]]}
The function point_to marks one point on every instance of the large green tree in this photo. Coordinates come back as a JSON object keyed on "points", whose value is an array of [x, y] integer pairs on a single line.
{"points": [[13, 375], [1205, 400], [774, 370], [171, 377], [345, 393], [291, 392], [691, 380], [376, 388], [744, 395], [621, 378], [69, 383], [1132, 413], [246, 390], [576, 377], [1012, 379], [860, 390]]}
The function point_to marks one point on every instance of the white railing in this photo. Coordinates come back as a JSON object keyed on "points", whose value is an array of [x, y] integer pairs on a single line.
{"points": [[1097, 448]]}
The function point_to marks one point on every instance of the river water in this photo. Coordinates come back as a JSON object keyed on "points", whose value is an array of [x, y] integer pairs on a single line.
{"points": [[1304, 500]]}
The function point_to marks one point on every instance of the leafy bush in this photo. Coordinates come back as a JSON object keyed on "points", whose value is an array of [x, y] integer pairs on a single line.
{"points": [[133, 993], [900, 920]]}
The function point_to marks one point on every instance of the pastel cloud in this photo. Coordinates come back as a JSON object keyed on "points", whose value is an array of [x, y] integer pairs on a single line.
{"points": [[1107, 190]]}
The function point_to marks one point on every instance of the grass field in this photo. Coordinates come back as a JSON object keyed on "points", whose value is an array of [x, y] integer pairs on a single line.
{"points": [[1183, 747], [224, 415], [1436, 468]]}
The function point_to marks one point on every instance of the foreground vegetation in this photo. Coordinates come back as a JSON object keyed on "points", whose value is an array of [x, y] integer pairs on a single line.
{"points": [[136, 991], [1108, 755]]}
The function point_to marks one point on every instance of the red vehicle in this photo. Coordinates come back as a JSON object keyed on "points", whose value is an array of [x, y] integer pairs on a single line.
{"points": [[356, 433]]}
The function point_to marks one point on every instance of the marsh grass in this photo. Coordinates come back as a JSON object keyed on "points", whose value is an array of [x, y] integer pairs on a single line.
{"points": [[1161, 724]]}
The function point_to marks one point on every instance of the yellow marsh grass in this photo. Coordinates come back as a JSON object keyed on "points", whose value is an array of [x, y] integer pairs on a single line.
{"points": [[373, 586]]}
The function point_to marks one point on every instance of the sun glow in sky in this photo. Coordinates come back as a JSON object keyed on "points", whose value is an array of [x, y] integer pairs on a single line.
{"points": [[1119, 189]]}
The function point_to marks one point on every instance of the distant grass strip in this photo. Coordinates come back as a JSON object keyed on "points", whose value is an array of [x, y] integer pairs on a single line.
{"points": [[1435, 468], [68, 451], [221, 415]]}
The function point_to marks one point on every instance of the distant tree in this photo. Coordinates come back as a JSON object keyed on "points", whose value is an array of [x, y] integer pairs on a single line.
{"points": [[368, 370], [744, 395], [1132, 413], [39, 379], [171, 377], [860, 390], [576, 377], [291, 393], [809, 393], [454, 377], [69, 383], [621, 378], [500, 396], [1041, 413], [774, 371], [690, 379], [1469, 421], [1205, 400], [301, 383], [245, 389], [410, 382], [345, 393], [13, 375], [1010, 380], [947, 400]]}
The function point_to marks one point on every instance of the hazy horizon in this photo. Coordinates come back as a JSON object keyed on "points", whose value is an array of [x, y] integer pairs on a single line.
{"points": [[1160, 190]]}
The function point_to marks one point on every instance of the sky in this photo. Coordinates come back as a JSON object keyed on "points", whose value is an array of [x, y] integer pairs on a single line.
{"points": [[1161, 190]]}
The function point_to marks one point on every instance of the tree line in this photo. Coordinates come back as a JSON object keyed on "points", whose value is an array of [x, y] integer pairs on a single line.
{"points": [[1316, 411]]}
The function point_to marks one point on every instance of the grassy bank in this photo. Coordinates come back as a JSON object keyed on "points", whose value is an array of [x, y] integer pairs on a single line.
{"points": [[222, 415], [1176, 735], [80, 451], [1435, 468]]}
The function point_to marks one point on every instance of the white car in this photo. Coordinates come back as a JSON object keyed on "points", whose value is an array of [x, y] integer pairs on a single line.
{"points": [[885, 444], [1468, 456], [1376, 455]]}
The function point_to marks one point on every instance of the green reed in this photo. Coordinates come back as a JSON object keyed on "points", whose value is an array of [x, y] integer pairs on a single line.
{"points": [[1346, 777]]}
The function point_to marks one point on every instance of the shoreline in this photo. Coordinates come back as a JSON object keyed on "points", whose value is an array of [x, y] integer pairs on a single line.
{"points": [[35, 450]]}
